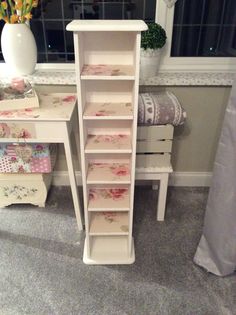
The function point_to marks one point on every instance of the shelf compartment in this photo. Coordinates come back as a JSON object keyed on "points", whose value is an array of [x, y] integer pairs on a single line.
{"points": [[109, 223], [114, 198], [112, 173], [108, 143], [97, 91], [107, 72], [108, 110], [108, 250]]}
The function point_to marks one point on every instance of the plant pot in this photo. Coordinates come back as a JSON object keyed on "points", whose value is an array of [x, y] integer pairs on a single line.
{"points": [[149, 62], [19, 49]]}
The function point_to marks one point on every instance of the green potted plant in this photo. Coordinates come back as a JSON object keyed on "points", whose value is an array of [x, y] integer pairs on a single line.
{"points": [[152, 41]]}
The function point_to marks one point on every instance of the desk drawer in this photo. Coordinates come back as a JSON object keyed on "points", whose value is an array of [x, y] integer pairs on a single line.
{"points": [[17, 130]]}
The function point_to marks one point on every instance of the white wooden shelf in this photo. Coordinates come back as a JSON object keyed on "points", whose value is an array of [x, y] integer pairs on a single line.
{"points": [[108, 144], [109, 223], [108, 111], [107, 56], [109, 250], [116, 198], [112, 173], [107, 72]]}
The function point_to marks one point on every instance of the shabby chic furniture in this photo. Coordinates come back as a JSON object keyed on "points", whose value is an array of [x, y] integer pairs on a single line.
{"points": [[53, 122]]}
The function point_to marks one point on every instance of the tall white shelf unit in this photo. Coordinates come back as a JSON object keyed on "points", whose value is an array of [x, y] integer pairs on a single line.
{"points": [[107, 75]]}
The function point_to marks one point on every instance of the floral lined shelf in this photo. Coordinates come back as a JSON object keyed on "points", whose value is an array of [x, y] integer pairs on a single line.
{"points": [[109, 223], [108, 143], [108, 110], [118, 173], [114, 199], [108, 98], [107, 72]]}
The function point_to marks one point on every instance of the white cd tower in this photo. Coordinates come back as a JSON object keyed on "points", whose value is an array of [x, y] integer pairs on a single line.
{"points": [[107, 56]]}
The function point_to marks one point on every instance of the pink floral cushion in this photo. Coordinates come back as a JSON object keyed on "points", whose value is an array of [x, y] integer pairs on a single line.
{"points": [[160, 109]]}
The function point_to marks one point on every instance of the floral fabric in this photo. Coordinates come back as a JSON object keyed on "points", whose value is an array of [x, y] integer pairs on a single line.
{"points": [[27, 158]]}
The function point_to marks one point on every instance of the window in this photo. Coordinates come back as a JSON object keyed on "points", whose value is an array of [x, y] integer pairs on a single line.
{"points": [[55, 44], [204, 28], [201, 33]]}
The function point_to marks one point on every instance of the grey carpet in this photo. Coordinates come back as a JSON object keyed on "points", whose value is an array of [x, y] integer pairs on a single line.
{"points": [[41, 268]]}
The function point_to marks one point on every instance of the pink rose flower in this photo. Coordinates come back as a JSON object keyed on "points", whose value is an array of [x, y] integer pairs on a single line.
{"points": [[4, 130], [117, 193], [121, 171], [70, 98]]}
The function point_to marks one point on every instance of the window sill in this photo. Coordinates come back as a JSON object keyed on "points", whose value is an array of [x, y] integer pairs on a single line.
{"points": [[67, 77]]}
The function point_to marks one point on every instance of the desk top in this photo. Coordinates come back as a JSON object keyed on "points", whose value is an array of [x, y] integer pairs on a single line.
{"points": [[53, 107]]}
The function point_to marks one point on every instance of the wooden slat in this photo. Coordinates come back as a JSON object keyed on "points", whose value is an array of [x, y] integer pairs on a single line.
{"points": [[152, 160], [155, 132], [154, 146]]}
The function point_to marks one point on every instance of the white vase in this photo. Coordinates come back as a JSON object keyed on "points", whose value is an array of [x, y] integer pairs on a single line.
{"points": [[19, 49], [149, 62]]}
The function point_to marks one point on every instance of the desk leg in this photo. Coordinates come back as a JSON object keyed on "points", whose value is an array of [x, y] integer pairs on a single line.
{"points": [[72, 177]]}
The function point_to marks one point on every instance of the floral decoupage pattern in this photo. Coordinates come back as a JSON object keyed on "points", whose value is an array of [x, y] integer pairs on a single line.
{"points": [[18, 131], [109, 222], [108, 142], [58, 106], [106, 70], [27, 158], [110, 172], [108, 109], [106, 198], [18, 192]]}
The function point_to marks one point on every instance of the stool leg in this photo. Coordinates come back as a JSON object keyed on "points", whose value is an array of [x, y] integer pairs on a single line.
{"points": [[161, 206]]}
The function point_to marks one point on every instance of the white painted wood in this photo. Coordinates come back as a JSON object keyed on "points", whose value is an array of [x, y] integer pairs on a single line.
{"points": [[104, 111], [109, 250], [106, 25], [151, 133], [177, 179], [161, 206], [153, 160], [115, 81], [109, 223], [24, 188], [154, 146], [41, 126], [73, 185]]}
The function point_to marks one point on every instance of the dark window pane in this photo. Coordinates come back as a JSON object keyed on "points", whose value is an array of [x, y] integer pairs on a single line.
{"points": [[227, 46], [55, 44], [185, 41], [114, 11], [150, 11], [69, 42], [230, 12], [52, 9], [37, 29], [1, 27], [42, 58], [54, 37], [208, 41], [204, 28], [56, 57], [188, 12]]}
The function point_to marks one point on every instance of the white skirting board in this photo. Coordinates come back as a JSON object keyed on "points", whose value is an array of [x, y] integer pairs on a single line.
{"points": [[190, 179]]}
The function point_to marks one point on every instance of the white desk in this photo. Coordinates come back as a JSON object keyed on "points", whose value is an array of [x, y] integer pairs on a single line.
{"points": [[52, 122]]}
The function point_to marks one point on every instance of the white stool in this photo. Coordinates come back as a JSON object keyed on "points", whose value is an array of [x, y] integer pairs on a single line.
{"points": [[154, 144]]}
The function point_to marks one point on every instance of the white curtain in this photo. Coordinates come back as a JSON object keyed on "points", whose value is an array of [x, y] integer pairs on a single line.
{"points": [[216, 251]]}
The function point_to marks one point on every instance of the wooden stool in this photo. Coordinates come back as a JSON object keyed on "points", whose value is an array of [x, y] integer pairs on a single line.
{"points": [[154, 144]]}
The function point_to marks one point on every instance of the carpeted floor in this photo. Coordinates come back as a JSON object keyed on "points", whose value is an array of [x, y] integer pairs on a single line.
{"points": [[41, 268]]}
